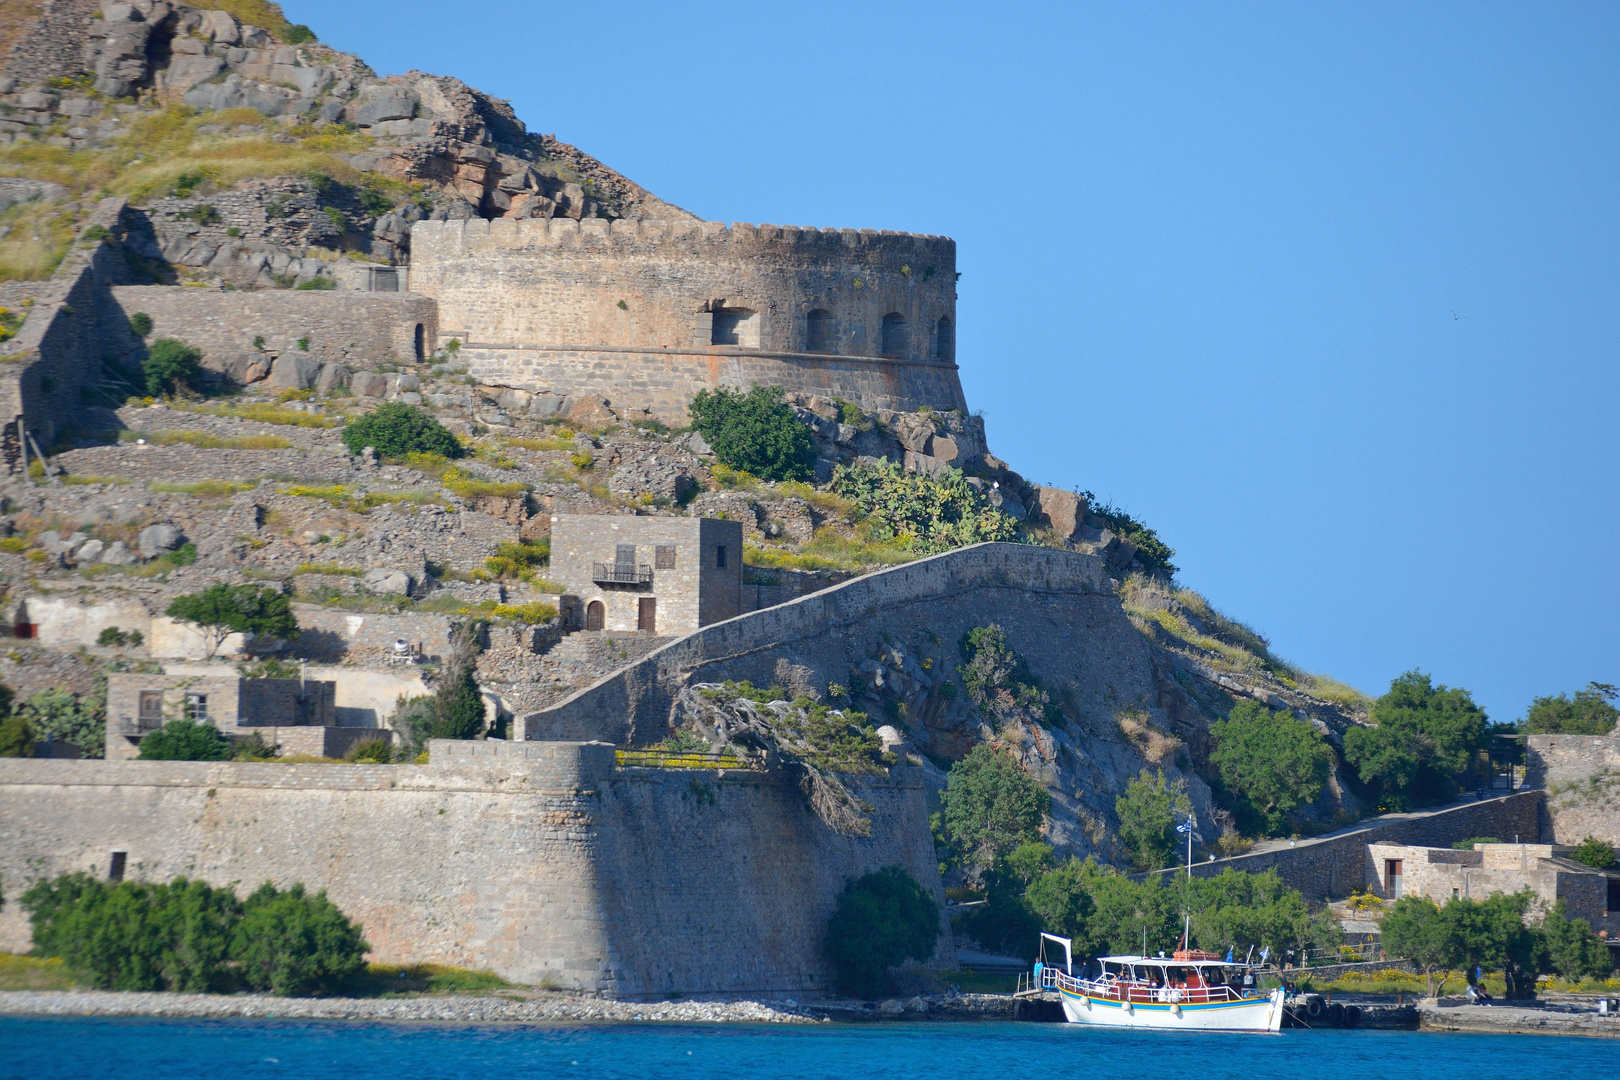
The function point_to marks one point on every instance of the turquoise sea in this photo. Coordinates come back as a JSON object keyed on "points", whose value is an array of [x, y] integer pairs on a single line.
{"points": [[37, 1049]]}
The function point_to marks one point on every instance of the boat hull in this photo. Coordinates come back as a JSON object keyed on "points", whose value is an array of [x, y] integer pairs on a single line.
{"points": [[1254, 1014]]}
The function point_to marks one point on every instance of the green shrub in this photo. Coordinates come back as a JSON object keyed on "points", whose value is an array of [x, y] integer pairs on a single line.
{"points": [[754, 431], [883, 919], [516, 559], [140, 323], [1269, 764], [70, 718], [169, 365], [297, 34], [998, 682], [16, 737], [933, 513], [319, 284], [1148, 814], [1424, 742], [1468, 844], [990, 806], [291, 943], [1151, 552], [1573, 949], [396, 430], [1595, 853], [202, 214], [185, 740], [134, 935], [114, 637], [1590, 713], [372, 751]]}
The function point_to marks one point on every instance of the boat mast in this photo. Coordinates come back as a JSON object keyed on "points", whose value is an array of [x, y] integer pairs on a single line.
{"points": [[1186, 907]]}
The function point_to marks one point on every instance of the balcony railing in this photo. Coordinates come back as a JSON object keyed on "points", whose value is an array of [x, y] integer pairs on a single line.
{"points": [[606, 573], [136, 726]]}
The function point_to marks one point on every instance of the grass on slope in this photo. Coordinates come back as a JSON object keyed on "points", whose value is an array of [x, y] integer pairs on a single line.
{"points": [[32, 973]]}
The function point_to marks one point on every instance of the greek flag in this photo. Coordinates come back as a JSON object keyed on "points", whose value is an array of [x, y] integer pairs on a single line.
{"points": [[1187, 826]]}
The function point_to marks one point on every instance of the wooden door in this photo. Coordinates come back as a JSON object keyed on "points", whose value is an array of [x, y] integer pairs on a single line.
{"points": [[647, 614], [595, 615]]}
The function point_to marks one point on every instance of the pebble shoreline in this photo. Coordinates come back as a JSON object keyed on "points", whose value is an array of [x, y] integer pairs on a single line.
{"points": [[493, 1008]]}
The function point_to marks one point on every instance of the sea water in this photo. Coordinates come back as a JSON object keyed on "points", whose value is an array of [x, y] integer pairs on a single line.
{"points": [[38, 1049]]}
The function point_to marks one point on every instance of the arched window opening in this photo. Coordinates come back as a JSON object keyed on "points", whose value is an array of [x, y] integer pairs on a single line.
{"points": [[944, 340], [819, 331], [894, 336], [595, 615], [421, 342], [737, 326]]}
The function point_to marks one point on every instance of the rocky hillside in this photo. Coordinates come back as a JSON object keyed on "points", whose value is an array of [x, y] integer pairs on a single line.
{"points": [[260, 156]]}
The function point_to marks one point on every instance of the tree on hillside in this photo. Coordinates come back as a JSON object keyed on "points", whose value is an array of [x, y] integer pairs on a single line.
{"points": [[1148, 814], [70, 718], [395, 429], [1596, 853], [1573, 949], [169, 365], [990, 806], [456, 709], [1590, 713], [1425, 741], [754, 432], [883, 919], [221, 610], [1269, 763]]}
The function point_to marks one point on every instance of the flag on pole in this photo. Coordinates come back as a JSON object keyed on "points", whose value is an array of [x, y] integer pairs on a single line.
{"points": [[1187, 826]]}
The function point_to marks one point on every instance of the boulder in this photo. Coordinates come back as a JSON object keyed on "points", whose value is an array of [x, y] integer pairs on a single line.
{"points": [[914, 432], [220, 27], [257, 371], [333, 376], [1064, 512], [545, 406], [697, 444], [88, 552], [411, 398], [409, 382], [388, 582], [118, 554], [368, 384], [295, 372], [377, 110], [154, 540]]}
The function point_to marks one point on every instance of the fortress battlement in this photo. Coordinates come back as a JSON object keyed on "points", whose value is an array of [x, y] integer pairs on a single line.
{"points": [[556, 231]]}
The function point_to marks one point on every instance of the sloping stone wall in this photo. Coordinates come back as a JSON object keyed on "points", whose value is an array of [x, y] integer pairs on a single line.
{"points": [[542, 862]]}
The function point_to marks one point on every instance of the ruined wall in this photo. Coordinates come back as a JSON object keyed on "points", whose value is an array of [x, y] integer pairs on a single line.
{"points": [[539, 861], [648, 313], [1582, 776], [1332, 867], [359, 329]]}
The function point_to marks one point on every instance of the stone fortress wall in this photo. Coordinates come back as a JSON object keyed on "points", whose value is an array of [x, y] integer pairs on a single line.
{"points": [[546, 863], [1582, 776], [648, 313]]}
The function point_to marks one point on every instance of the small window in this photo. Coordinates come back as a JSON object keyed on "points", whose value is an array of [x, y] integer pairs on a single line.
{"points": [[115, 870], [720, 557], [819, 331], [197, 707], [1456, 893], [736, 326], [894, 336], [944, 340], [664, 557], [152, 705]]}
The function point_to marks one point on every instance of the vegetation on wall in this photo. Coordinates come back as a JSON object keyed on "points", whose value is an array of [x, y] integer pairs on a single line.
{"points": [[64, 716], [990, 806], [187, 936], [1269, 764], [1598, 854], [1590, 712], [170, 366], [1000, 684], [754, 432], [395, 430], [185, 740], [930, 513], [221, 610], [1423, 746], [882, 920]]}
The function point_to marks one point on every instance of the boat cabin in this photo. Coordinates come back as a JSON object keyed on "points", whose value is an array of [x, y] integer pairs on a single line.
{"points": [[1187, 975]]}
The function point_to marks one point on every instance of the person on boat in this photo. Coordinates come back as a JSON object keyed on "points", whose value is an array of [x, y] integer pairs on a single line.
{"points": [[1248, 980]]}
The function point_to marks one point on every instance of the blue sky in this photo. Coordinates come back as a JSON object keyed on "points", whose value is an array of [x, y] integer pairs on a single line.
{"points": [[1326, 293]]}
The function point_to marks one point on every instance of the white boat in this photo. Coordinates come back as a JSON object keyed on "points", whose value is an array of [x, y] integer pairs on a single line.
{"points": [[1186, 991]]}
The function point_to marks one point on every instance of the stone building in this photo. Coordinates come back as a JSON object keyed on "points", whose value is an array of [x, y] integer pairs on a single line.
{"points": [[296, 715], [1446, 874], [655, 575], [647, 313]]}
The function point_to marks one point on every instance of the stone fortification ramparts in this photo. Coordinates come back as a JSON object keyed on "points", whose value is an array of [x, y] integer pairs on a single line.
{"points": [[1582, 776], [647, 313], [1058, 608], [543, 862]]}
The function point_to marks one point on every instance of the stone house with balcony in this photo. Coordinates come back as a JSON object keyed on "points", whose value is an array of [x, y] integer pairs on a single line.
{"points": [[1446, 874], [652, 575], [296, 715]]}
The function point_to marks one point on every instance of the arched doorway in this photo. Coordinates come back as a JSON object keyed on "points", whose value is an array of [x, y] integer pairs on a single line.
{"points": [[421, 342], [595, 615], [944, 340], [894, 336], [818, 331]]}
